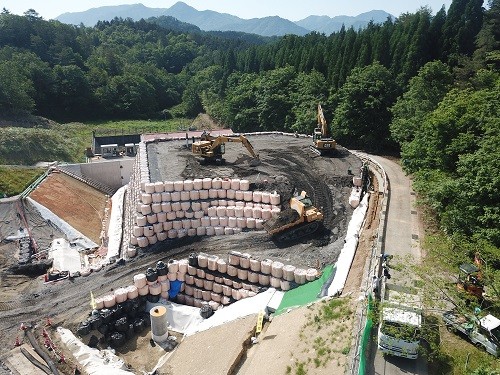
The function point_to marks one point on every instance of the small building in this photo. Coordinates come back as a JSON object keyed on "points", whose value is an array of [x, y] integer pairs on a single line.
{"points": [[115, 145]]}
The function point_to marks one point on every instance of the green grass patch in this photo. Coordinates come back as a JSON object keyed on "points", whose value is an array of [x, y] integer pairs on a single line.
{"points": [[13, 180]]}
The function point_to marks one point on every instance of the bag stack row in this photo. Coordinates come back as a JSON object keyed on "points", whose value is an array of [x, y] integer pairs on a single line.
{"points": [[199, 207]]}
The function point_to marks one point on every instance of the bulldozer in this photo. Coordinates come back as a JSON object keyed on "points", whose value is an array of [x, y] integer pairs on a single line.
{"points": [[323, 143], [300, 220], [212, 149]]}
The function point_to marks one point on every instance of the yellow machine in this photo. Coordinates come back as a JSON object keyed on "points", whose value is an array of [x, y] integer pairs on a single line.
{"points": [[301, 219], [212, 149], [322, 142]]}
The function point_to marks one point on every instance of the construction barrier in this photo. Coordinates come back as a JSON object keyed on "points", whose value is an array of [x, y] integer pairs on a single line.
{"points": [[365, 338]]}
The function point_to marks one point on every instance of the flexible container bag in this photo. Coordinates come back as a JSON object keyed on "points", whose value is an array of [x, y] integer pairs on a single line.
{"points": [[228, 231], [247, 212], [239, 204], [274, 199], [191, 270], [188, 185], [188, 214], [173, 266], [159, 187], [217, 288], [238, 211], [197, 302], [109, 301], [172, 233], [226, 184], [167, 225], [209, 276], [235, 184], [197, 184], [275, 210], [249, 204], [156, 207], [148, 231], [216, 183], [132, 292], [199, 214], [162, 236], [221, 193], [284, 285], [300, 276], [227, 281], [166, 197], [257, 196], [245, 260], [186, 224], [255, 265], [177, 224], [232, 270], [214, 221], [140, 280], [210, 231], [207, 284], [149, 187], [220, 211], [164, 295], [311, 274], [266, 197], [158, 227], [212, 193], [266, 214], [264, 280], [183, 265], [194, 195], [172, 276], [190, 279], [203, 194], [156, 197], [244, 185], [232, 223], [230, 194], [236, 294], [219, 231], [201, 231], [144, 291], [146, 198], [175, 196], [195, 223], [212, 262], [221, 265], [171, 215], [242, 274], [181, 276], [205, 205], [277, 269], [198, 282], [133, 241], [138, 231], [196, 206], [180, 214], [155, 289], [223, 221], [176, 206], [230, 211], [185, 206], [205, 221], [247, 196], [241, 222], [227, 290], [178, 185], [152, 218], [288, 272], [152, 239], [257, 213], [234, 258], [222, 203], [265, 266], [202, 261], [185, 195], [189, 290], [212, 211], [225, 300], [207, 183], [145, 209], [161, 216], [168, 186], [238, 195]]}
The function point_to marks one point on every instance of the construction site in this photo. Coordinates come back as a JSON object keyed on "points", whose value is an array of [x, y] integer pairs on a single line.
{"points": [[210, 258]]}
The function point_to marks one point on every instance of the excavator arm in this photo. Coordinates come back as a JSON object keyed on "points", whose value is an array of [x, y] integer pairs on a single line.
{"points": [[322, 122], [213, 147], [322, 142]]}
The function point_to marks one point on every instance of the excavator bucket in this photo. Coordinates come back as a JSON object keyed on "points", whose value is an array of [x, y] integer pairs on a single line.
{"points": [[254, 162]]}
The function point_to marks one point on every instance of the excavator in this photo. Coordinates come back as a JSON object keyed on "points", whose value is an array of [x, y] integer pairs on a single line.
{"points": [[322, 142], [212, 149], [300, 220]]}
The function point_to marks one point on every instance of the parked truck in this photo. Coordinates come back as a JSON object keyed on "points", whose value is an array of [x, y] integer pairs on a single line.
{"points": [[482, 332], [400, 321]]}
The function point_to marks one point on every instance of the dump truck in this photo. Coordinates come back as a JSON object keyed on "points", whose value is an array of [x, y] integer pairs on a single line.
{"points": [[300, 220], [212, 149], [323, 143], [400, 321], [482, 332]]}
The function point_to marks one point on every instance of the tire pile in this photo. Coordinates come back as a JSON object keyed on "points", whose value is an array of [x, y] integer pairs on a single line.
{"points": [[118, 324]]}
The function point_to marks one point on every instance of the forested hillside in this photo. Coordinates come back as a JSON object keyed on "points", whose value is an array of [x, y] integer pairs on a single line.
{"points": [[424, 84]]}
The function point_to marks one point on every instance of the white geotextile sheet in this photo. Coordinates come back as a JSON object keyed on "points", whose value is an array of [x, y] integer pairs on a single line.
{"points": [[71, 233], [94, 361], [236, 310], [65, 257], [347, 253], [115, 223], [179, 317]]}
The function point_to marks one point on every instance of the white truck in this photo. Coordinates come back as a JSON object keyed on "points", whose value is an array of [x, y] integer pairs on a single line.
{"points": [[483, 331], [400, 321]]}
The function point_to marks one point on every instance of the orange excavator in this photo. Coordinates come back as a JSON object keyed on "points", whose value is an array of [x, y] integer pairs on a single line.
{"points": [[323, 143], [212, 149]]}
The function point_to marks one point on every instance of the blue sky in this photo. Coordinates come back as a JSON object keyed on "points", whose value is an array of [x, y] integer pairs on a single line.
{"points": [[293, 10]]}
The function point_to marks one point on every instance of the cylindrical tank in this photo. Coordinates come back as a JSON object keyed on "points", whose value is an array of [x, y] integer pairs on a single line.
{"points": [[159, 324]]}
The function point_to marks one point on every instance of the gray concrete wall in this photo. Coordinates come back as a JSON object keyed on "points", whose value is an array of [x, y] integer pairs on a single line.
{"points": [[114, 173]]}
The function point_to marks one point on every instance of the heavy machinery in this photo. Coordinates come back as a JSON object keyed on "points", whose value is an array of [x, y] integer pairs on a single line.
{"points": [[470, 280], [212, 149], [322, 142], [301, 219]]}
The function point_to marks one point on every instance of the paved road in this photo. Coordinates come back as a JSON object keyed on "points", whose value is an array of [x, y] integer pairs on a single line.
{"points": [[401, 240]]}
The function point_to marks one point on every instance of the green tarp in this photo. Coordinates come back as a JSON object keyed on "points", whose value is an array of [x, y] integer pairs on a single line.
{"points": [[306, 293]]}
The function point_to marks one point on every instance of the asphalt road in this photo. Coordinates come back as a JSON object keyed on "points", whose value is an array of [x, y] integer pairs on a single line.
{"points": [[402, 241]]}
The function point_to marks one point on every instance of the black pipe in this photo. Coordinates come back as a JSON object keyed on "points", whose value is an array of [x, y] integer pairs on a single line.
{"points": [[36, 362], [41, 353]]}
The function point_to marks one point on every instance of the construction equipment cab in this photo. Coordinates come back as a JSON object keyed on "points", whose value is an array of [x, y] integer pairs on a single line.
{"points": [[212, 149], [322, 142]]}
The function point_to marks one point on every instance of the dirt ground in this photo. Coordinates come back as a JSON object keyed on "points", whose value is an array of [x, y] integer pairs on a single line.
{"points": [[286, 163]]}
